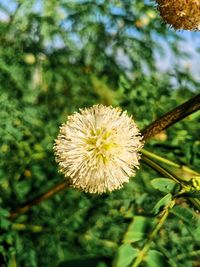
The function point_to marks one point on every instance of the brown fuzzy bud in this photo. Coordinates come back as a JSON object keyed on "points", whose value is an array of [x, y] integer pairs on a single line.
{"points": [[180, 14]]}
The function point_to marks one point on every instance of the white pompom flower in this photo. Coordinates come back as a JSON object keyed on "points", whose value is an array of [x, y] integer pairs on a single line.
{"points": [[98, 149]]}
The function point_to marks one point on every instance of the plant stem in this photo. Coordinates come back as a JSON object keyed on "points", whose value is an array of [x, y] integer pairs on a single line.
{"points": [[169, 162], [189, 255], [167, 173], [159, 158], [157, 167], [27, 206], [172, 117], [147, 245]]}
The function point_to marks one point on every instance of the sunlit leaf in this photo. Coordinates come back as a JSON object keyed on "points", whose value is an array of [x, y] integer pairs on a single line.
{"points": [[125, 255], [164, 185], [138, 229], [155, 258], [163, 202]]}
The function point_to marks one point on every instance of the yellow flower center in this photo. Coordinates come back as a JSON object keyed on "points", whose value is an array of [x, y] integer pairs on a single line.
{"points": [[99, 142]]}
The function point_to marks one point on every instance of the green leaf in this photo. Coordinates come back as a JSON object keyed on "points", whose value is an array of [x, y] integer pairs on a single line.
{"points": [[4, 212], [138, 229], [162, 203], [125, 255], [165, 185], [2, 249], [4, 223], [155, 258]]}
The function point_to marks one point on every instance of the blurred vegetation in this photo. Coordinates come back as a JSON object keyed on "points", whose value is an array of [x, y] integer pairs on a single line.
{"points": [[56, 57]]}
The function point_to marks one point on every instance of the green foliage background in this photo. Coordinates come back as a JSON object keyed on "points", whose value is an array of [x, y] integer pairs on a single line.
{"points": [[57, 57]]}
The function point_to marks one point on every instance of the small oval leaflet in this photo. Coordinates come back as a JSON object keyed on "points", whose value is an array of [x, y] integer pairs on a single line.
{"points": [[163, 202], [165, 185]]}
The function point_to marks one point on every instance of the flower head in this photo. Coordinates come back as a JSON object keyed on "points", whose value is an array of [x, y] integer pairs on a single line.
{"points": [[180, 14], [98, 148]]}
